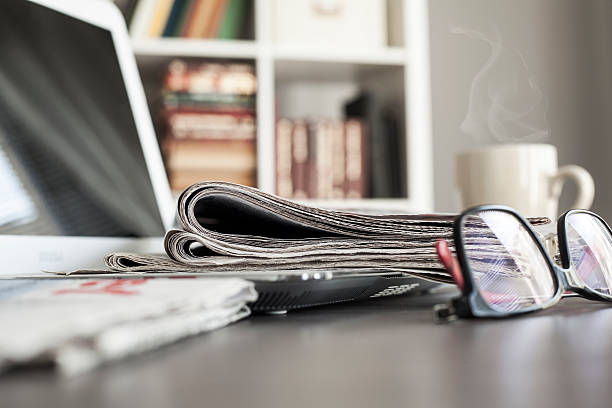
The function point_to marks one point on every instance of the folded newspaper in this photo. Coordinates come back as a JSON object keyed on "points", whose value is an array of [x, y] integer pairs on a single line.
{"points": [[230, 227], [77, 324]]}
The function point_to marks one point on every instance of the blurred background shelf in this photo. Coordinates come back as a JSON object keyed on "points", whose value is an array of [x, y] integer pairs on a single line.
{"points": [[372, 56], [213, 48], [575, 79], [316, 81], [184, 47]]}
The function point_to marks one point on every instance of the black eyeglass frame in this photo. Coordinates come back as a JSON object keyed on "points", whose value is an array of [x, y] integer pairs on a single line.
{"points": [[472, 304]]}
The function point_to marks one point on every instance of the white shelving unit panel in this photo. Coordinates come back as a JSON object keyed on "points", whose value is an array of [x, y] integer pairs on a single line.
{"points": [[276, 63], [251, 49], [375, 56], [194, 48], [417, 91]]}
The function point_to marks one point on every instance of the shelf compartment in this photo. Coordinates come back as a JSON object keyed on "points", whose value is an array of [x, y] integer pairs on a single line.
{"points": [[319, 71], [303, 92]]}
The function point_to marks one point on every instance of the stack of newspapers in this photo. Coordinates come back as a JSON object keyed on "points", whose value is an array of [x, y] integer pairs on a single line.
{"points": [[229, 227]]}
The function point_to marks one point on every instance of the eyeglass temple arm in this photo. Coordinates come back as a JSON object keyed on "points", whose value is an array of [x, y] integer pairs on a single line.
{"points": [[447, 312], [454, 269], [450, 262]]}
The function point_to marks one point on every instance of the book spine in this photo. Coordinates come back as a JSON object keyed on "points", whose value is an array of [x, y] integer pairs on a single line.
{"points": [[194, 8], [143, 16], [173, 18], [183, 18], [312, 170], [233, 19], [355, 160], [300, 160], [182, 125], [234, 155], [215, 20], [202, 18], [177, 76], [234, 79], [210, 134], [390, 126], [284, 182], [160, 18], [338, 156], [324, 161], [180, 180], [219, 102]]}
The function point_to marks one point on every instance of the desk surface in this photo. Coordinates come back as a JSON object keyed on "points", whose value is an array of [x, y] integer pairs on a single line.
{"points": [[385, 352]]}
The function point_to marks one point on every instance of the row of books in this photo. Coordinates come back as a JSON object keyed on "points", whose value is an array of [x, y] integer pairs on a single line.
{"points": [[191, 18], [385, 146], [321, 159], [208, 112], [209, 116]]}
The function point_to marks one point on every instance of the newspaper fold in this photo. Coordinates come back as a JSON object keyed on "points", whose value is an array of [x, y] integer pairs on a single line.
{"points": [[77, 324], [230, 227]]}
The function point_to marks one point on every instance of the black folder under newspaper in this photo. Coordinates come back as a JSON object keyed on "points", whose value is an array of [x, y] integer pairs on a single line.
{"points": [[230, 227]]}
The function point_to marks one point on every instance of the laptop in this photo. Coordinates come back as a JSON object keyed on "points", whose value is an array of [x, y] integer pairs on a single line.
{"points": [[80, 167]]}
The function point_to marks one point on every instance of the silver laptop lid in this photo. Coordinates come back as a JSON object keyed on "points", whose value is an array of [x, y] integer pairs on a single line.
{"points": [[78, 155]]}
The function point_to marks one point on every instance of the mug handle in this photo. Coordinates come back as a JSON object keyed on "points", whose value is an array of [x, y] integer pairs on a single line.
{"points": [[584, 181]]}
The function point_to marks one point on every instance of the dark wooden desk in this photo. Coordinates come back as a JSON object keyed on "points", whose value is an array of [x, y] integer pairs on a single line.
{"points": [[379, 353]]}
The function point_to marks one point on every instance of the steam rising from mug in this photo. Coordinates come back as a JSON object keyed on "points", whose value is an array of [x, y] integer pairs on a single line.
{"points": [[505, 104]]}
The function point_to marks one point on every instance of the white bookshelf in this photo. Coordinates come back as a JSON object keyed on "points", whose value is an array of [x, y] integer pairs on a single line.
{"points": [[279, 67], [247, 49], [175, 47]]}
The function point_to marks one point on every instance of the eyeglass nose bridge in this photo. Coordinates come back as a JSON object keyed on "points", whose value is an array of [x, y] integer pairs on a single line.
{"points": [[568, 277]]}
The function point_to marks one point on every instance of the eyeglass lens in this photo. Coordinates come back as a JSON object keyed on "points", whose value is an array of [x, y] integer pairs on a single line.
{"points": [[508, 268], [590, 249]]}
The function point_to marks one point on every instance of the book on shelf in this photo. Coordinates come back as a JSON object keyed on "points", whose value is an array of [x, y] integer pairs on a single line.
{"points": [[210, 154], [209, 101], [300, 159], [189, 161], [222, 19], [157, 24], [209, 123], [384, 140], [214, 125], [284, 162], [209, 77], [324, 159]]}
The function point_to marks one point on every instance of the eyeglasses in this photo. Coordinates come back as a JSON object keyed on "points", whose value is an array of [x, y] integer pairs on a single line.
{"points": [[503, 268]]}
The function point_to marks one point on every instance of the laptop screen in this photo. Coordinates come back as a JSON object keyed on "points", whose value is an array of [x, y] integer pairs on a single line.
{"points": [[71, 162]]}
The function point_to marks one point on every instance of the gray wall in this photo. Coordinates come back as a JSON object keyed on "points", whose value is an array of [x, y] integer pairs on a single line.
{"points": [[567, 45]]}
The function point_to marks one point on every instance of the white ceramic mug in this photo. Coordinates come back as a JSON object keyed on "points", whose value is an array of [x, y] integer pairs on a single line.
{"points": [[522, 176]]}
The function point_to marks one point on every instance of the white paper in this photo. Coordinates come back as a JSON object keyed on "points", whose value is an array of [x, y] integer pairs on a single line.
{"points": [[80, 323]]}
